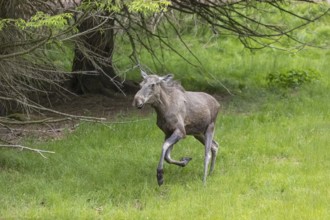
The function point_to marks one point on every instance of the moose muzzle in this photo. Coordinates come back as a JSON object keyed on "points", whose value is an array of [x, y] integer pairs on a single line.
{"points": [[138, 102]]}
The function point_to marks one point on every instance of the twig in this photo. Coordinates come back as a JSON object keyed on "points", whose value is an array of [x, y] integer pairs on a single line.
{"points": [[5, 126], [47, 120], [125, 122], [87, 31], [28, 148]]}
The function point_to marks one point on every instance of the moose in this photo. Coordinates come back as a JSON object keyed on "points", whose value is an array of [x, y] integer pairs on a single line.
{"points": [[180, 113]]}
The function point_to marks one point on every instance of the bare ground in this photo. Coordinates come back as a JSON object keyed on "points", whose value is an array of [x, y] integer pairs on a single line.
{"points": [[48, 125]]}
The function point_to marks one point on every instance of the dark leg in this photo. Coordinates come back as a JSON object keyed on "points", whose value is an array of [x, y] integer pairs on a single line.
{"points": [[175, 137]]}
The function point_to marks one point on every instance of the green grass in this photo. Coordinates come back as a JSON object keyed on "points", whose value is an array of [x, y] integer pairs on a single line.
{"points": [[273, 164]]}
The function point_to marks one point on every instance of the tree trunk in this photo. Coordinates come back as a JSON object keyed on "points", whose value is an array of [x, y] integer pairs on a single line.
{"points": [[93, 58]]}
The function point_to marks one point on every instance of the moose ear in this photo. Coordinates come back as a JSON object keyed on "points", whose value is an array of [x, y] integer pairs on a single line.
{"points": [[144, 74], [167, 78]]}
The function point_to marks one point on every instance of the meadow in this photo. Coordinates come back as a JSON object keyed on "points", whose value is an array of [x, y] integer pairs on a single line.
{"points": [[273, 161]]}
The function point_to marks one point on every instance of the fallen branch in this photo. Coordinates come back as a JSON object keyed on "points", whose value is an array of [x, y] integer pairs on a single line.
{"points": [[27, 148]]}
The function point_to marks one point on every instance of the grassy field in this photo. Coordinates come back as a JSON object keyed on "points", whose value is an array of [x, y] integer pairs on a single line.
{"points": [[273, 162]]}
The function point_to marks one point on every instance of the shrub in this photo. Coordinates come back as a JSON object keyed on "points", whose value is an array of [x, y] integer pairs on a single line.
{"points": [[292, 79]]}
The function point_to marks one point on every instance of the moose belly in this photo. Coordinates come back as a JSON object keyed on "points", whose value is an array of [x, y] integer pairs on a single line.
{"points": [[196, 122], [196, 128]]}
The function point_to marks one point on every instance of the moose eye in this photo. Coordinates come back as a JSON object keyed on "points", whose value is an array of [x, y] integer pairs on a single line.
{"points": [[152, 85]]}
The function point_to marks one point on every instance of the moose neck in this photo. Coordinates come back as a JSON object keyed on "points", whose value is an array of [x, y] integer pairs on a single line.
{"points": [[163, 102]]}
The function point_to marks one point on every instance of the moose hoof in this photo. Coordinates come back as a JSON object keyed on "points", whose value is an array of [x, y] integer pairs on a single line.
{"points": [[185, 160], [160, 178]]}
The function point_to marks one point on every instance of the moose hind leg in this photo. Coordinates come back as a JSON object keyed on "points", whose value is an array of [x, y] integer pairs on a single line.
{"points": [[182, 163], [214, 150], [208, 145]]}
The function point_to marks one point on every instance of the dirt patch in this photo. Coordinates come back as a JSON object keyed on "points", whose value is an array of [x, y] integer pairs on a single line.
{"points": [[96, 105], [49, 125]]}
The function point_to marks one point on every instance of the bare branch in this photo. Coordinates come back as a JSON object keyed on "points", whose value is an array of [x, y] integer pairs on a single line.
{"points": [[20, 53], [21, 147], [4, 121]]}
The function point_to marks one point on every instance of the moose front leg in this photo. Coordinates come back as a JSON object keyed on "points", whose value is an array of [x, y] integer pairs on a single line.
{"points": [[182, 163], [175, 137]]}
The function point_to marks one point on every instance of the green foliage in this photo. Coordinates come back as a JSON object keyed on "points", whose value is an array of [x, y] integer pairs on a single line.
{"points": [[39, 20], [103, 5], [292, 79], [140, 6], [149, 6]]}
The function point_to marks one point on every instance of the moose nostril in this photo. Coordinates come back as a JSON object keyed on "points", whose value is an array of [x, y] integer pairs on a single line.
{"points": [[138, 103]]}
